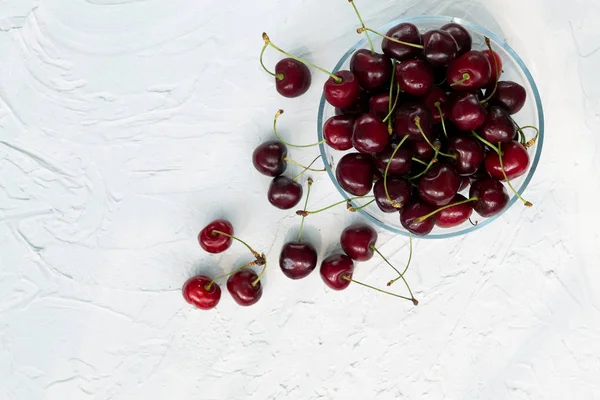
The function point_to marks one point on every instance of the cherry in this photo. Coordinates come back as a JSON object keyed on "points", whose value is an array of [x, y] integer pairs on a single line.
{"points": [[495, 73], [372, 70], [465, 111], [212, 239], [469, 154], [422, 150], [370, 134], [439, 47], [404, 121], [338, 132], [461, 36], [491, 196], [410, 214], [434, 99], [245, 287], [269, 158], [360, 106], [343, 92], [355, 172], [455, 215], [415, 77], [509, 95], [292, 78], [498, 126], [404, 32], [358, 242], [196, 291], [284, 193], [515, 160], [439, 185], [379, 105], [399, 191], [334, 269], [401, 162], [470, 71]]}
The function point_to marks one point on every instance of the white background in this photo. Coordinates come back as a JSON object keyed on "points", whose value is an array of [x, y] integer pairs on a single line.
{"points": [[127, 125]]}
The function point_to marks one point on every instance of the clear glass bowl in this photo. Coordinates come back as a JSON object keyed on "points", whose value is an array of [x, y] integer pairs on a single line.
{"points": [[513, 69]]}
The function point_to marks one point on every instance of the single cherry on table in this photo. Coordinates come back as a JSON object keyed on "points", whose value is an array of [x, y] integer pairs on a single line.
{"points": [[201, 292]]}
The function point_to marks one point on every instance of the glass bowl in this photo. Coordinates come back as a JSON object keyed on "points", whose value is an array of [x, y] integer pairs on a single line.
{"points": [[513, 69]]}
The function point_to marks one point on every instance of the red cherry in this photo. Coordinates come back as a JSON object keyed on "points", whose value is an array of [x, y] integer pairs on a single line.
{"points": [[515, 160], [334, 269], [470, 71], [196, 293], [400, 192], [358, 241], [439, 185], [343, 94], [370, 134], [410, 214], [379, 105], [372, 70], [469, 154], [415, 77], [439, 47], [465, 111], [269, 158], [284, 193], [355, 172], [407, 33], [492, 197], [297, 260], [241, 287], [404, 121], [455, 215], [498, 126], [509, 95], [461, 36], [436, 95], [338, 132], [296, 78], [494, 74], [213, 242], [401, 163]]}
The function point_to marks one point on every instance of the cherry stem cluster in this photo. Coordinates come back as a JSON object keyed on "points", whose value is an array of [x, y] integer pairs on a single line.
{"points": [[395, 204], [363, 25], [309, 183]]}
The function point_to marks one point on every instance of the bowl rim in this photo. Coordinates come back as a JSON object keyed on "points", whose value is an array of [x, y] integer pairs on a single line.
{"points": [[495, 38]]}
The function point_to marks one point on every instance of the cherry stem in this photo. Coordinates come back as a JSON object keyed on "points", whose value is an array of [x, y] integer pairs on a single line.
{"points": [[488, 43], [473, 223], [254, 253], [267, 40], [306, 213], [352, 209], [392, 108], [384, 259], [527, 203], [277, 114], [413, 300], [250, 264], [277, 76], [303, 166], [395, 204], [532, 141], [410, 244], [310, 182], [361, 30], [439, 108], [363, 25], [415, 159], [420, 174], [431, 214], [418, 124], [491, 146], [255, 282], [465, 77], [308, 168]]}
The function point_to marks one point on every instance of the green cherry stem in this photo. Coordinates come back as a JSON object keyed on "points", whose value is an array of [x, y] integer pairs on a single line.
{"points": [[361, 30], [254, 253], [465, 77], [309, 183], [417, 160], [353, 209], [410, 244], [308, 168], [400, 275], [439, 108], [491, 146], [250, 264], [262, 53], [363, 25], [413, 300], [260, 275], [532, 141], [527, 203], [488, 43], [303, 166], [420, 174], [307, 213], [277, 114], [431, 214], [388, 118], [418, 124], [395, 204], [268, 42]]}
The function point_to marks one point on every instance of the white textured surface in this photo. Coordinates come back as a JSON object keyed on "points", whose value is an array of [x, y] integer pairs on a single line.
{"points": [[126, 125]]}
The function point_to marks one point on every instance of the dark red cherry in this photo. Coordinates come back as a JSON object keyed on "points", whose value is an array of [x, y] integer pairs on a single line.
{"points": [[358, 241], [284, 193], [439, 185], [461, 36], [469, 154], [404, 121], [494, 74], [343, 94], [379, 105], [372, 70], [359, 107], [515, 160], [355, 172], [214, 242], [415, 77], [297, 259], [439, 47], [492, 197], [465, 111], [334, 269], [269, 158], [498, 126], [296, 78], [399, 190], [475, 65], [370, 134], [404, 32], [195, 292], [410, 214], [401, 162], [455, 215], [338, 131], [422, 150], [240, 286], [436, 95], [509, 95]]}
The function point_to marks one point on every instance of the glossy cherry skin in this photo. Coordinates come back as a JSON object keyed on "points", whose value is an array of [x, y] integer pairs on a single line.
{"points": [[469, 154], [297, 260], [284, 193], [358, 241], [498, 126], [473, 63], [355, 172], [338, 131], [359, 107], [404, 32], [404, 121], [296, 78], [213, 242], [400, 192], [439, 48], [370, 134], [269, 158], [439, 185], [515, 160], [436, 95], [415, 77], [195, 293], [343, 94], [241, 289], [379, 105], [333, 270], [495, 74], [465, 111], [401, 163], [455, 215], [372, 70], [422, 150], [410, 214], [461, 36], [509, 95], [492, 197]]}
